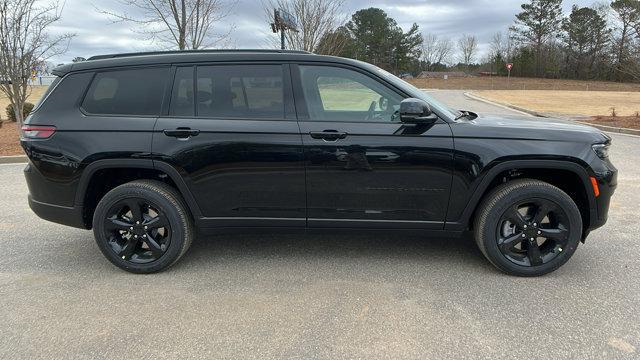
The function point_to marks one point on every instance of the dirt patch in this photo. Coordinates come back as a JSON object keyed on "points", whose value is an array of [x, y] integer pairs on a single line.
{"points": [[628, 122], [10, 140], [585, 103], [502, 83]]}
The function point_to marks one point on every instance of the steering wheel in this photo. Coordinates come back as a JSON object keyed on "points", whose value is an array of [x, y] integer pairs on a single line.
{"points": [[371, 113]]}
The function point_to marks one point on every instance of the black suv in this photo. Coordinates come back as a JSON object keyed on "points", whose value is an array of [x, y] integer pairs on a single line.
{"points": [[151, 149]]}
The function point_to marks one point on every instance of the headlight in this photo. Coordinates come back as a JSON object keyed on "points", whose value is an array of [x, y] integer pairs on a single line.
{"points": [[602, 150]]}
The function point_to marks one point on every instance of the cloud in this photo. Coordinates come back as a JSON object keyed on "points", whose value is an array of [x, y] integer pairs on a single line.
{"points": [[97, 34]]}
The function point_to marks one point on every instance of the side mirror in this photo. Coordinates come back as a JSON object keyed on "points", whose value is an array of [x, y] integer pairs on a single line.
{"points": [[416, 111]]}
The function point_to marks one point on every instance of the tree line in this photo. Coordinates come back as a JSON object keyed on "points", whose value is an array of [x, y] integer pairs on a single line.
{"points": [[591, 43]]}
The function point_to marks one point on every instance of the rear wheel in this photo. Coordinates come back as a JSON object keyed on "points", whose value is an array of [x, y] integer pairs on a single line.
{"points": [[528, 227], [143, 226]]}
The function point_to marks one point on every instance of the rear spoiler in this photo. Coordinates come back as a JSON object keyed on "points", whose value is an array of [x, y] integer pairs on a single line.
{"points": [[62, 70]]}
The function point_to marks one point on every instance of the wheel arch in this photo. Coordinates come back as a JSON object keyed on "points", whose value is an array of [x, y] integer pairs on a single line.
{"points": [[515, 169], [87, 194]]}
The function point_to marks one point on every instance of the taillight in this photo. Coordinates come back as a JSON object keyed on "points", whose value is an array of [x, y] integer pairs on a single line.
{"points": [[38, 131]]}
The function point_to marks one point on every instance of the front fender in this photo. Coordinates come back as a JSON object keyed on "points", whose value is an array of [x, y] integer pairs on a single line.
{"points": [[463, 221]]}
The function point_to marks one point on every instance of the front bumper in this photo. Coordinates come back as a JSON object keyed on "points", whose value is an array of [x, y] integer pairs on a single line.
{"points": [[607, 178]]}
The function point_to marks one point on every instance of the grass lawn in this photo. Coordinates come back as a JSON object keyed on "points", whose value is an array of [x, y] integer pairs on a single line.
{"points": [[580, 103], [347, 100]]}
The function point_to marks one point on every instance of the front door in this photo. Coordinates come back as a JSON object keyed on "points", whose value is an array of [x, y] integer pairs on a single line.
{"points": [[364, 168], [233, 136]]}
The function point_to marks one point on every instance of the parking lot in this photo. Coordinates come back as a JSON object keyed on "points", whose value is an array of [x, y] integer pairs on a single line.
{"points": [[319, 296]]}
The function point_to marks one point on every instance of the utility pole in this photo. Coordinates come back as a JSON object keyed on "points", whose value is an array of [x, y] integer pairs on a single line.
{"points": [[283, 21]]}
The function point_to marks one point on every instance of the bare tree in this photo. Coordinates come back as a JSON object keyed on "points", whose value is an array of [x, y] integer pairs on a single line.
{"points": [[187, 24], [445, 49], [429, 49], [468, 46], [435, 50], [499, 45], [25, 45], [318, 21]]}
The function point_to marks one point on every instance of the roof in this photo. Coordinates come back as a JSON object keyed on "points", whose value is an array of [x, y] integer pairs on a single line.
{"points": [[191, 56]]}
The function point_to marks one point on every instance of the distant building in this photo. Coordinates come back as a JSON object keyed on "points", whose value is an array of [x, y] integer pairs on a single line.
{"points": [[441, 74]]}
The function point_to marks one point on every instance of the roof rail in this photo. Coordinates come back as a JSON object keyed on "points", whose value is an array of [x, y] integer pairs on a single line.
{"points": [[212, 51]]}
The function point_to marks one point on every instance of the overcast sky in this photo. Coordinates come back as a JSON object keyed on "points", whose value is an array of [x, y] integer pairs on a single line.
{"points": [[96, 34]]}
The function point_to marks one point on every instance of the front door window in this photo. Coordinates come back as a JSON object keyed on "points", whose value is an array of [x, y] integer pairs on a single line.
{"points": [[339, 94]]}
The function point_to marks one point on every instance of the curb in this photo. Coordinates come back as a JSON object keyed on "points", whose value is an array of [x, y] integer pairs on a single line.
{"points": [[505, 105], [16, 159]]}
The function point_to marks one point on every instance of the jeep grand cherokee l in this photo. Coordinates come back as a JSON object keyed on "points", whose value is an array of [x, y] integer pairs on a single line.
{"points": [[150, 149]]}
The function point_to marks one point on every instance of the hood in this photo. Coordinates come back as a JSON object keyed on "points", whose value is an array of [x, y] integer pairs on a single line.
{"points": [[536, 128]]}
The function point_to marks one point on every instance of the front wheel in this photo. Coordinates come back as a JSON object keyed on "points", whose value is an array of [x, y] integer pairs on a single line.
{"points": [[528, 227], [143, 226]]}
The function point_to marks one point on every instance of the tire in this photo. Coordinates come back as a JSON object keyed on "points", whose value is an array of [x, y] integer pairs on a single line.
{"points": [[508, 238], [163, 233]]}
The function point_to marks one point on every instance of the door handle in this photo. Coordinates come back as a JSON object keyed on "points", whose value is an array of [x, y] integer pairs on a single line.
{"points": [[181, 133], [328, 135]]}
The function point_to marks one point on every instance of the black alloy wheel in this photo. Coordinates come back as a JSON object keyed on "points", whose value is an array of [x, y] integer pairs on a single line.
{"points": [[137, 231], [533, 233], [143, 226], [527, 227]]}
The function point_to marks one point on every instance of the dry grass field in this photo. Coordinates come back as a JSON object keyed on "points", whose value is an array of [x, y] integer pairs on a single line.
{"points": [[581, 103], [502, 83]]}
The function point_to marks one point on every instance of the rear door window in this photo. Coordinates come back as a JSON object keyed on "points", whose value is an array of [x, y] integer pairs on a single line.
{"points": [[240, 91], [127, 92]]}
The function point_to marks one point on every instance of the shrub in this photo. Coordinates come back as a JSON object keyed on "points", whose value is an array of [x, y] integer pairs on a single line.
{"points": [[26, 109]]}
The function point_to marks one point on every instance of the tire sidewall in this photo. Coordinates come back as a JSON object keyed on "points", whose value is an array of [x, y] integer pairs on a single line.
{"points": [[173, 252], [490, 231]]}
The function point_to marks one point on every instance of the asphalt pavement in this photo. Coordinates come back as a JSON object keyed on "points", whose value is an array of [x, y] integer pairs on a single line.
{"points": [[320, 296]]}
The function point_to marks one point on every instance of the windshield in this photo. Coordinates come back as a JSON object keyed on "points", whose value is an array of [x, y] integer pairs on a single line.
{"points": [[436, 106]]}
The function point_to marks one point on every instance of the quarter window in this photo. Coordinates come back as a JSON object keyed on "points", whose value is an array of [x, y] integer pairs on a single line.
{"points": [[127, 92]]}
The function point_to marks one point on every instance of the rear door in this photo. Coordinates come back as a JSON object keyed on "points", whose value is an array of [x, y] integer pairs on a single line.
{"points": [[231, 132]]}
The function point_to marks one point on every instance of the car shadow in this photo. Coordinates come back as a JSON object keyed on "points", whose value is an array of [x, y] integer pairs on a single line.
{"points": [[335, 250]]}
